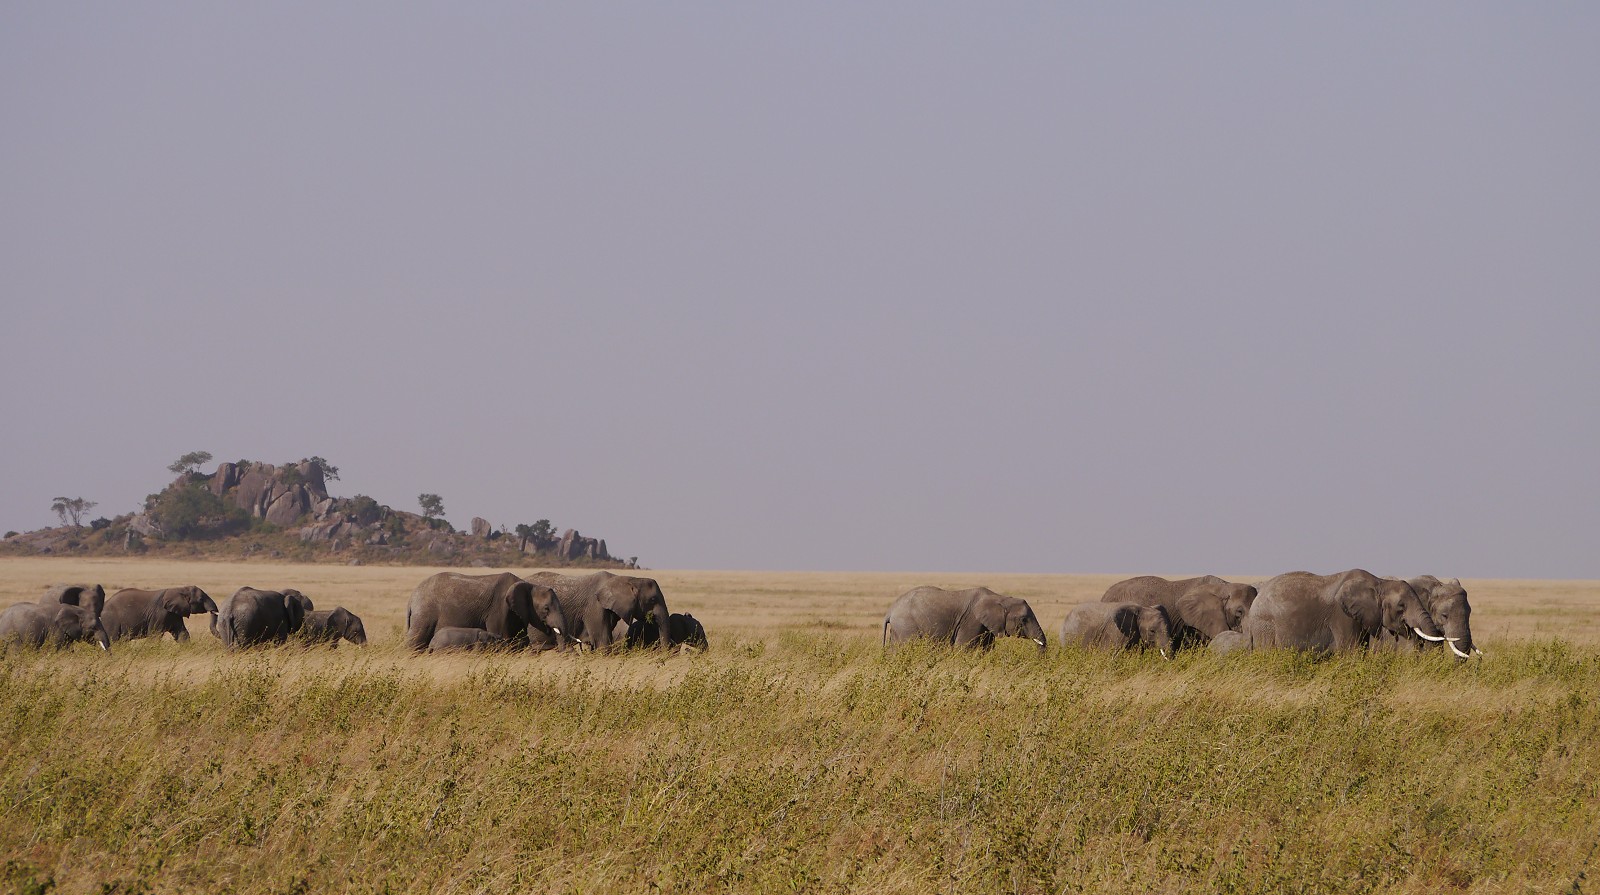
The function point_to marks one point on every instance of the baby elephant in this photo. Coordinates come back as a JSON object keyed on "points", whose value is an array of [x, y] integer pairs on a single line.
{"points": [[1119, 626], [462, 639], [683, 630], [330, 625]]}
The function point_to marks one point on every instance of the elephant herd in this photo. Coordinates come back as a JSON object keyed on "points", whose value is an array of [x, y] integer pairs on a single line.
{"points": [[1297, 610], [447, 611], [601, 611]]}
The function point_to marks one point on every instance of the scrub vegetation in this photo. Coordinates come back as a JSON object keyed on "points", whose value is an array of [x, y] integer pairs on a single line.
{"points": [[795, 755]]}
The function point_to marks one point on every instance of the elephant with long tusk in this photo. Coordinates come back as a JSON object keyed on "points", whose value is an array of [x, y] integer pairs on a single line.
{"points": [[1330, 613], [1446, 602]]}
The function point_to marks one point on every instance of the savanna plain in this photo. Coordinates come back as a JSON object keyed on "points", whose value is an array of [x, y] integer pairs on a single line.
{"points": [[795, 755]]}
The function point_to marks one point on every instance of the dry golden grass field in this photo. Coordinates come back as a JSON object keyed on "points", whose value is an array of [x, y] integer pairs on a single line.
{"points": [[795, 755]]}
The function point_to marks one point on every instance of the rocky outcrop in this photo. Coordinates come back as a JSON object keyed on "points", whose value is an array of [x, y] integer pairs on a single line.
{"points": [[480, 527], [278, 495], [575, 546]]}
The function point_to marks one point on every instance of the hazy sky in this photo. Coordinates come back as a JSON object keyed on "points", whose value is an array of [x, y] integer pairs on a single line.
{"points": [[1114, 287]]}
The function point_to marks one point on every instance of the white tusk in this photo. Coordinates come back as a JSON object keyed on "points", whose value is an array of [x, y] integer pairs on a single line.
{"points": [[102, 646], [1425, 636], [1038, 641], [1459, 652], [1452, 639], [557, 630], [1164, 654], [1477, 652]]}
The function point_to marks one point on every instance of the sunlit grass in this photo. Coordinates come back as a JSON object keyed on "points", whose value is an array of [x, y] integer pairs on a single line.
{"points": [[791, 757]]}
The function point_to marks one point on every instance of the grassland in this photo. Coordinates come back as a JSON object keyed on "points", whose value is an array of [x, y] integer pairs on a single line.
{"points": [[795, 756]]}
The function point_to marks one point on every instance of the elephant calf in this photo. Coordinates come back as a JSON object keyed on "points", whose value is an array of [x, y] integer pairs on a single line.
{"points": [[35, 625], [1118, 626], [446, 639], [331, 625], [1229, 642], [683, 630]]}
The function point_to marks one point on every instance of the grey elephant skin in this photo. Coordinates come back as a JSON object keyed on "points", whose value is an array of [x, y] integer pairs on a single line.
{"points": [[92, 596], [332, 625], [1120, 626], [35, 625], [504, 605], [1198, 608], [595, 604], [1229, 642], [973, 617], [449, 639], [130, 613], [683, 631], [252, 617], [1334, 613]]}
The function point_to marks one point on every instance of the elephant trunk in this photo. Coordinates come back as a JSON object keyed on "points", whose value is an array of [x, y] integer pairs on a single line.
{"points": [[663, 623], [208, 604], [101, 637], [1035, 632]]}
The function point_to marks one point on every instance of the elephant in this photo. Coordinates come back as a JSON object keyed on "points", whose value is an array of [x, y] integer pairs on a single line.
{"points": [[1229, 642], [1119, 626], [131, 612], [523, 612], [253, 616], [1198, 608], [331, 625], [90, 595], [683, 630], [594, 604], [1331, 613], [972, 617], [1446, 602], [446, 639], [35, 625]]}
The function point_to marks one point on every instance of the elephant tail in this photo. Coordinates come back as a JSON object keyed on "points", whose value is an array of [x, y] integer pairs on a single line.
{"points": [[886, 631]]}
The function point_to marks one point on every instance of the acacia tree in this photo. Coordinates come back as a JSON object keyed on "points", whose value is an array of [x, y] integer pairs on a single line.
{"points": [[190, 462], [72, 508], [330, 472], [432, 506]]}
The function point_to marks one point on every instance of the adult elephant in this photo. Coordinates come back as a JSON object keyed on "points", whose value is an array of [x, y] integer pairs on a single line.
{"points": [[1198, 608], [504, 605], [1446, 602], [1118, 626], [1332, 613], [35, 625], [683, 630], [972, 617], [92, 596], [449, 639], [595, 604], [132, 612], [332, 625], [253, 616]]}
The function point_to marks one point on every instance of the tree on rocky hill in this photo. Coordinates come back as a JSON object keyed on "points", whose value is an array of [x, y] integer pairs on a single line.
{"points": [[72, 508], [432, 506], [329, 471], [190, 463], [541, 534]]}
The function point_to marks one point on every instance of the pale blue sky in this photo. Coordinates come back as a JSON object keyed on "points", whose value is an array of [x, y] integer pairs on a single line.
{"points": [[980, 287]]}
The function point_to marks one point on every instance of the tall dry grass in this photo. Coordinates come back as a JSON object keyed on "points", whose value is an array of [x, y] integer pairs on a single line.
{"points": [[795, 755]]}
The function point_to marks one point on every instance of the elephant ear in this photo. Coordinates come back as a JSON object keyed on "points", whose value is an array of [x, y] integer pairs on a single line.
{"points": [[174, 600], [1126, 619], [1359, 600], [294, 604], [1201, 609]]}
